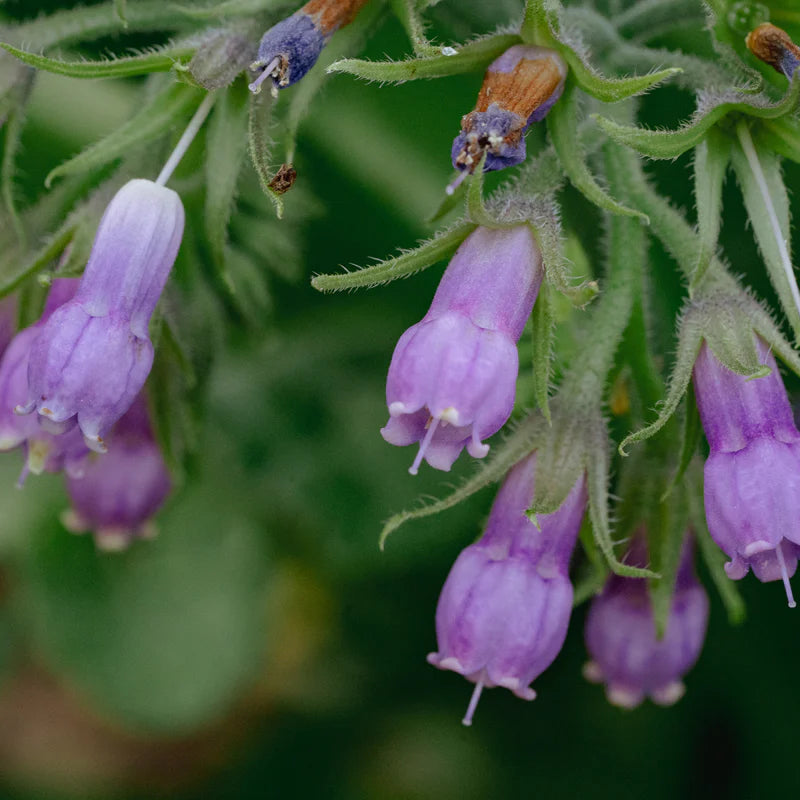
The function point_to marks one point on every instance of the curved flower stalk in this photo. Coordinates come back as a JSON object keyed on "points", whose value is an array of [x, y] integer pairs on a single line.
{"points": [[752, 477], [119, 492], [289, 49], [45, 450], [503, 613], [93, 354], [452, 379], [627, 654]]}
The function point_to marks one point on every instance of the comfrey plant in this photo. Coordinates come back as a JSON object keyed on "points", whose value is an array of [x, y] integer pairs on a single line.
{"points": [[551, 319]]}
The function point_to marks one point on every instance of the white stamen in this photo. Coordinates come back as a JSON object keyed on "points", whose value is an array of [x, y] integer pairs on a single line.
{"points": [[755, 165], [195, 123], [451, 187], [785, 577], [255, 86], [432, 425], [473, 704]]}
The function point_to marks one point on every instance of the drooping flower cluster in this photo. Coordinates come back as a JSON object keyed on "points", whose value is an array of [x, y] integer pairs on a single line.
{"points": [[453, 375], [752, 477], [627, 654], [505, 606]]}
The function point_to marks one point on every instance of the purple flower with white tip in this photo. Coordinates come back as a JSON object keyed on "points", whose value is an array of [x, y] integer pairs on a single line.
{"points": [[453, 375], [119, 492], [752, 477], [621, 638], [519, 89], [94, 353], [504, 610], [289, 49], [45, 450]]}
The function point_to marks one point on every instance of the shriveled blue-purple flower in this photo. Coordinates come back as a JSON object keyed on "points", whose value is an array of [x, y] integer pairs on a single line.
{"points": [[289, 49], [504, 610], [44, 449], [775, 47], [752, 476], [120, 492], [94, 353], [519, 88], [621, 638], [453, 375]]}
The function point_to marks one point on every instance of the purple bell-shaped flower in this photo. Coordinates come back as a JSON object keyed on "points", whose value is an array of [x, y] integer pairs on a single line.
{"points": [[45, 450], [452, 379], [504, 610], [621, 637], [120, 491], [752, 477], [94, 353]]}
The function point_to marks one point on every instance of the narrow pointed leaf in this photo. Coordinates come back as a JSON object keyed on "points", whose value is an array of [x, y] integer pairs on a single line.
{"points": [[562, 122], [711, 160], [166, 108], [442, 246], [514, 448], [121, 7], [612, 90], [782, 136], [470, 57], [543, 330], [225, 150], [407, 11], [260, 146], [691, 433], [161, 60], [12, 131], [767, 204]]}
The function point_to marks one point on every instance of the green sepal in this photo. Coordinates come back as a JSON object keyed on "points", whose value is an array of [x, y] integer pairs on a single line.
{"points": [[539, 20], [12, 134], [260, 145], [407, 11], [713, 557], [562, 122], [518, 444], [711, 159], [218, 59], [671, 144], [691, 433], [160, 60], [594, 577], [543, 335], [437, 249], [225, 150], [597, 474], [477, 212], [689, 341], [470, 57], [167, 107], [667, 524], [767, 205]]}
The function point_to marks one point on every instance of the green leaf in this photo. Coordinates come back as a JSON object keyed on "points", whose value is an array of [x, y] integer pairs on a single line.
{"points": [[161, 60], [543, 333], [13, 132], [166, 108], [260, 145], [671, 144], [225, 150], [711, 159], [781, 135], [612, 90], [518, 444], [120, 6], [473, 56], [767, 204], [562, 122], [133, 632], [442, 246], [407, 11]]}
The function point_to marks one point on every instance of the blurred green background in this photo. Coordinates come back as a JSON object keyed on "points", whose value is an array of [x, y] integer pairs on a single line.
{"points": [[263, 646]]}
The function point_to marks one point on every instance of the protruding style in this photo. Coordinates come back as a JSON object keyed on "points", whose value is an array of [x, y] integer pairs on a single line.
{"points": [[752, 476], [774, 47], [119, 492], [504, 610], [453, 375], [627, 655], [289, 49], [519, 88], [94, 353]]}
